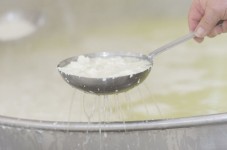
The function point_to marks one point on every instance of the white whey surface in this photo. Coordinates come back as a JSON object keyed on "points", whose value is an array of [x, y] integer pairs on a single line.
{"points": [[12, 28], [105, 67], [191, 80]]}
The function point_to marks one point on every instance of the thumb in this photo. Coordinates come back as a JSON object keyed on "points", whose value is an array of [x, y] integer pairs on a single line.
{"points": [[207, 23]]}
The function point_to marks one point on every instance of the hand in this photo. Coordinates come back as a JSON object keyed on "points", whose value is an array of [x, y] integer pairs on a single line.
{"points": [[204, 16]]}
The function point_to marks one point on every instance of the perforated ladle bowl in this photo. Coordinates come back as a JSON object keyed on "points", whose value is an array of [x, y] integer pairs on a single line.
{"points": [[103, 86]]}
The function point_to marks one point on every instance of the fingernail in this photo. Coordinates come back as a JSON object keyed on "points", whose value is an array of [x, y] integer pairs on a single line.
{"points": [[200, 32]]}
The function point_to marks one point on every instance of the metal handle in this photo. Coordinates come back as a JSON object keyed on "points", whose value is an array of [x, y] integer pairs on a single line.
{"points": [[171, 44], [176, 42]]}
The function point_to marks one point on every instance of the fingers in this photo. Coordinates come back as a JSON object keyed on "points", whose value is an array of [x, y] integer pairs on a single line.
{"points": [[216, 31], [194, 15], [199, 40], [207, 24], [222, 28]]}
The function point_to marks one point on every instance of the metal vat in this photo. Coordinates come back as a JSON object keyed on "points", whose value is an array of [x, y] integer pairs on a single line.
{"points": [[191, 133], [197, 133]]}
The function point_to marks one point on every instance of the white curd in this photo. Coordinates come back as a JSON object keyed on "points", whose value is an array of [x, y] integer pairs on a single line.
{"points": [[110, 67]]}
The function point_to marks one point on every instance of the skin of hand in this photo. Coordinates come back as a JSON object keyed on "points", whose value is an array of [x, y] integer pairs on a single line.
{"points": [[204, 16]]}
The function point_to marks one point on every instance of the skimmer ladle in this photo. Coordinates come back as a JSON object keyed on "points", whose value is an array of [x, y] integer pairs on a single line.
{"points": [[119, 84]]}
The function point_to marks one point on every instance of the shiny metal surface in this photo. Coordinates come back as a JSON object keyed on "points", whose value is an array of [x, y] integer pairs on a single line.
{"points": [[108, 85], [171, 44], [197, 133], [121, 83]]}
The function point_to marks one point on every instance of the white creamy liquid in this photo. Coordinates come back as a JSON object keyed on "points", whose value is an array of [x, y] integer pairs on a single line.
{"points": [[15, 28], [189, 81], [105, 67]]}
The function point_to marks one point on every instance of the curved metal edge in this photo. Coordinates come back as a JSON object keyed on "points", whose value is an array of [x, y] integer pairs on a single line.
{"points": [[104, 54], [114, 126], [110, 85], [87, 84]]}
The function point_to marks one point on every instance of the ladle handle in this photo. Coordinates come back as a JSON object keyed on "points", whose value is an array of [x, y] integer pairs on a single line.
{"points": [[176, 42], [171, 44]]}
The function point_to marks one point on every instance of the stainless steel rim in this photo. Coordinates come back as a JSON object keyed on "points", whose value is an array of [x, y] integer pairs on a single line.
{"points": [[114, 126]]}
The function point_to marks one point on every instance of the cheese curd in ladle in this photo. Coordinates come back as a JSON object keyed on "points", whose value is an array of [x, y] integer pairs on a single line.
{"points": [[101, 67], [123, 71]]}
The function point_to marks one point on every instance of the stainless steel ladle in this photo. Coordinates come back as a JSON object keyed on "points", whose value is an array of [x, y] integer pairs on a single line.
{"points": [[119, 84]]}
